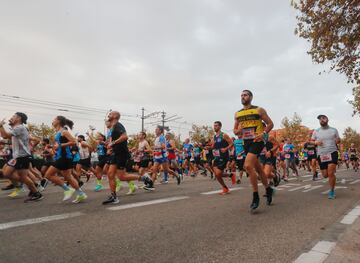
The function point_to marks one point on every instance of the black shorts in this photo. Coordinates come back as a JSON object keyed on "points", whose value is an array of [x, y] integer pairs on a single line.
{"points": [[120, 160], [253, 147], [144, 163], [188, 158], [85, 163], [20, 163], [197, 160], [268, 161], [220, 163], [240, 164], [334, 160], [2, 163], [103, 159], [353, 159], [63, 164]]}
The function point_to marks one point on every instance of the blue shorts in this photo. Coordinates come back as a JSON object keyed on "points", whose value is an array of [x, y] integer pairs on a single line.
{"points": [[161, 160]]}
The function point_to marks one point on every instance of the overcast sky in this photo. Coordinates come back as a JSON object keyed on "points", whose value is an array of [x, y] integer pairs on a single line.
{"points": [[190, 58]]}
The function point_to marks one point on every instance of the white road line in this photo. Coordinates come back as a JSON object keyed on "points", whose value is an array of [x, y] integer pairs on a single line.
{"points": [[351, 216], [356, 181], [308, 175], [287, 185], [312, 188], [336, 187], [219, 191], [317, 254], [307, 187], [146, 203], [38, 220]]}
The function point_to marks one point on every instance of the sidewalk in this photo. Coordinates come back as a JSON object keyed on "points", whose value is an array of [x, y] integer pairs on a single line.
{"points": [[347, 248]]}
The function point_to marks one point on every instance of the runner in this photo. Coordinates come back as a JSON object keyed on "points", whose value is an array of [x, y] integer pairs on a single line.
{"points": [[17, 169], [221, 144], [48, 155], [84, 163], [326, 139], [353, 153], [290, 162], [310, 149], [172, 150], [99, 140], [249, 123], [268, 160], [187, 149], [119, 158], [63, 160], [239, 156], [160, 157]]}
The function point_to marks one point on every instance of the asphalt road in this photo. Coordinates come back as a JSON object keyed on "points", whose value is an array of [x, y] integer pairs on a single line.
{"points": [[182, 224]]}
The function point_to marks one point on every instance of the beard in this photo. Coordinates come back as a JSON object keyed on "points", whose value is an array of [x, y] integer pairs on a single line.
{"points": [[323, 124]]}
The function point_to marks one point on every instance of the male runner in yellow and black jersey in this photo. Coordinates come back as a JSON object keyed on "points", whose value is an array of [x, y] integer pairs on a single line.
{"points": [[249, 123]]}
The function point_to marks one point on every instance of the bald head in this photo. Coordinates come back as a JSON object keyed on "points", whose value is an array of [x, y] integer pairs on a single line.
{"points": [[114, 115]]}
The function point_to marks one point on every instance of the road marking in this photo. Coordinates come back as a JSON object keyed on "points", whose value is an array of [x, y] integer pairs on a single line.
{"points": [[307, 188], [146, 203], [219, 191], [38, 220], [308, 175], [287, 185], [317, 254], [356, 181], [336, 187], [348, 219], [292, 179], [351, 216]]}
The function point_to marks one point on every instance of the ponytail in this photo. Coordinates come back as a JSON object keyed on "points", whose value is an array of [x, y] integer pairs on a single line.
{"points": [[65, 122]]}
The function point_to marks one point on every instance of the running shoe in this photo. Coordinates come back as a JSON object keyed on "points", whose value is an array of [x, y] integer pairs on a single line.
{"points": [[98, 187], [80, 198], [132, 189], [118, 185], [331, 194], [111, 200], [269, 195], [255, 202], [178, 179], [16, 192], [238, 181], [43, 184], [68, 194], [149, 184], [34, 197], [225, 191]]}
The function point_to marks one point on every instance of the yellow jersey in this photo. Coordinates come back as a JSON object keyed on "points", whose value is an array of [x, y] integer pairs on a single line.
{"points": [[250, 122]]}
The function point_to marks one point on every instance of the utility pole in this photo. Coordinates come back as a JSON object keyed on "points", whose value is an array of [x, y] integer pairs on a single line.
{"points": [[144, 117], [163, 115]]}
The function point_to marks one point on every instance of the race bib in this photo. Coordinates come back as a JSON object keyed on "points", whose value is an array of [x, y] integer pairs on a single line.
{"points": [[248, 133], [311, 152], [287, 156], [158, 155], [324, 158], [240, 157], [12, 162], [216, 153]]}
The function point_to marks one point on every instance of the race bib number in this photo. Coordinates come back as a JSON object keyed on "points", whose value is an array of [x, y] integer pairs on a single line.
{"points": [[240, 157], [12, 162], [324, 158], [216, 153], [248, 133], [287, 156], [311, 152], [158, 155]]}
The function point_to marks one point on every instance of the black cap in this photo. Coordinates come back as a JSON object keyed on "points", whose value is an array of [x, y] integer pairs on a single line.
{"points": [[22, 116], [321, 115]]}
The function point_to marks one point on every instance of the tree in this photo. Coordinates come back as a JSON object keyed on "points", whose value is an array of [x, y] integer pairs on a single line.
{"points": [[350, 136], [42, 131], [333, 29], [294, 130], [201, 133]]}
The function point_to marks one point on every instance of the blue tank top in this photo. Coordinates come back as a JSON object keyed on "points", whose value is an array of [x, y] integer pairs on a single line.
{"points": [[62, 152], [100, 149]]}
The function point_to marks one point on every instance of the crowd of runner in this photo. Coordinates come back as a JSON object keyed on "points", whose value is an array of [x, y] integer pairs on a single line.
{"points": [[65, 162]]}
